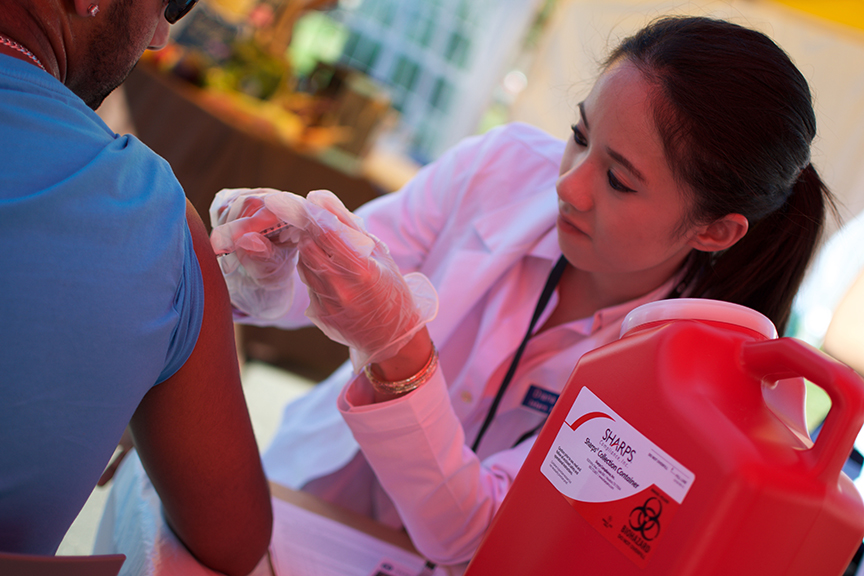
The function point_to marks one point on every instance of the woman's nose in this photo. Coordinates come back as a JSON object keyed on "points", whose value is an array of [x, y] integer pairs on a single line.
{"points": [[574, 189]]}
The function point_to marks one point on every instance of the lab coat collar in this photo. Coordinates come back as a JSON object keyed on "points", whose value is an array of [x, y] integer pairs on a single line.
{"points": [[513, 227]]}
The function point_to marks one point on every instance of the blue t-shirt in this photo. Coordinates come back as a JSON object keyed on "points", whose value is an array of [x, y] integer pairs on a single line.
{"points": [[101, 298]]}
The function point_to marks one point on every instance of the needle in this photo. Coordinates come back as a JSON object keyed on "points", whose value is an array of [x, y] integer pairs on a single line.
{"points": [[267, 232]]}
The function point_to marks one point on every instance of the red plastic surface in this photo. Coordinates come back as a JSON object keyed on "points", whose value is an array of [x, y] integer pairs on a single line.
{"points": [[762, 502]]}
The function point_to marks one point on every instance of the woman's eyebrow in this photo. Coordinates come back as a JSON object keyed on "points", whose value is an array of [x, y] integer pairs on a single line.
{"points": [[626, 163], [582, 115], [617, 156]]}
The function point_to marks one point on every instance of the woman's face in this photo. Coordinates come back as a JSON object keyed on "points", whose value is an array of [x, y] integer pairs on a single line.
{"points": [[621, 212]]}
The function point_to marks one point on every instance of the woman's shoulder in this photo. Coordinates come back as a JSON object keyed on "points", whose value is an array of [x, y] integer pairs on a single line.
{"points": [[506, 155], [514, 161], [526, 139]]}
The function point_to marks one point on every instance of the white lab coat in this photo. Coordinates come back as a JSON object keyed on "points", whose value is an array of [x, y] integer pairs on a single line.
{"points": [[480, 224]]}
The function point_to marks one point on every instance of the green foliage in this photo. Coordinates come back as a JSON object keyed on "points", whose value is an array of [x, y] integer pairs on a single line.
{"points": [[316, 38]]}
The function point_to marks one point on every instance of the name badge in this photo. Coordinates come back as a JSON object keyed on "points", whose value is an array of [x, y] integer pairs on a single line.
{"points": [[539, 399]]}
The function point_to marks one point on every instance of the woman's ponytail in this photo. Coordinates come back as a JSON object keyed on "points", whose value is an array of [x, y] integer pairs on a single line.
{"points": [[765, 268]]}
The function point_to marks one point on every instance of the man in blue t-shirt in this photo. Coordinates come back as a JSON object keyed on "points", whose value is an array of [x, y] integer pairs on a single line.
{"points": [[113, 311]]}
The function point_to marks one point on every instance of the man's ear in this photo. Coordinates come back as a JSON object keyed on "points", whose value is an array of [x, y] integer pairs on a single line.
{"points": [[720, 234], [87, 8]]}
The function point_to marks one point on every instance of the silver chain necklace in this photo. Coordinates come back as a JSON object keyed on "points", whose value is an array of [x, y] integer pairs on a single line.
{"points": [[16, 46]]}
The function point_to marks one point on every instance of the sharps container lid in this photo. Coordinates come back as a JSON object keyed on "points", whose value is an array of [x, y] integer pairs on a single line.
{"points": [[699, 309]]}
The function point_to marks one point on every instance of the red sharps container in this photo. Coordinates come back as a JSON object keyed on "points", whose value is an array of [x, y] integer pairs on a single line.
{"points": [[680, 450]]}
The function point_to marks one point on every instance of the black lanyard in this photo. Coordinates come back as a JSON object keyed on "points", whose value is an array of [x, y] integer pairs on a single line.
{"points": [[551, 283]]}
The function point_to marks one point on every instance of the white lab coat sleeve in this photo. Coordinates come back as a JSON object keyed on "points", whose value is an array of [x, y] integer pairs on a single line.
{"points": [[445, 496]]}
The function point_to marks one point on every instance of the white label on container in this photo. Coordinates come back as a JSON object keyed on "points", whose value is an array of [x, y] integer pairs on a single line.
{"points": [[618, 480]]}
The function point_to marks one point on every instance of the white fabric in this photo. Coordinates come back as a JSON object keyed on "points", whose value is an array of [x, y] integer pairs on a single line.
{"points": [[480, 224], [832, 274]]}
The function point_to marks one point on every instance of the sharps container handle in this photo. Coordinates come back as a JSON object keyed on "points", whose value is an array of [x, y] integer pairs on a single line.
{"points": [[777, 359]]}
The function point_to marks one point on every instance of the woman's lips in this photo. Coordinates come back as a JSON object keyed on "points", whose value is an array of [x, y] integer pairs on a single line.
{"points": [[568, 226]]}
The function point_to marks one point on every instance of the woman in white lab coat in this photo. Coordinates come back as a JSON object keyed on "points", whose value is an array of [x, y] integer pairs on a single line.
{"points": [[688, 172]]}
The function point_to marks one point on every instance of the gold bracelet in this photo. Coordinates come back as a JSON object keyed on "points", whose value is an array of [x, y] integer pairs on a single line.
{"points": [[408, 384]]}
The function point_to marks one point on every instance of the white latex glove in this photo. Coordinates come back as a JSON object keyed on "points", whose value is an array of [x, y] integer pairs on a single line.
{"points": [[258, 269], [357, 294]]}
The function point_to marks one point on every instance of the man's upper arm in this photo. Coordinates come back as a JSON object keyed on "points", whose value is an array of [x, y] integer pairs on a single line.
{"points": [[194, 437]]}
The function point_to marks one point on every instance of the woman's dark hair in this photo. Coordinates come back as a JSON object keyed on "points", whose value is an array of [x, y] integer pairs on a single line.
{"points": [[736, 120]]}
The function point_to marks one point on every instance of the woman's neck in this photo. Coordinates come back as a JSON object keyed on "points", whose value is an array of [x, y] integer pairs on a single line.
{"points": [[581, 294]]}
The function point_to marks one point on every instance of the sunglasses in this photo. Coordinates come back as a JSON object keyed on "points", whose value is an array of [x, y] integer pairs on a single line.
{"points": [[176, 9]]}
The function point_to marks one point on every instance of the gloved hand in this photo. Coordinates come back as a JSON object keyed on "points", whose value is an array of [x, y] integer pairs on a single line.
{"points": [[357, 295], [257, 269]]}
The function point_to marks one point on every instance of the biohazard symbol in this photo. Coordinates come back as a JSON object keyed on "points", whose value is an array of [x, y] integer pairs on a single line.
{"points": [[645, 519]]}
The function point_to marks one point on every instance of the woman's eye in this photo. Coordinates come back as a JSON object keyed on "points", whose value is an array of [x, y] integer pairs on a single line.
{"points": [[578, 136], [616, 184]]}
